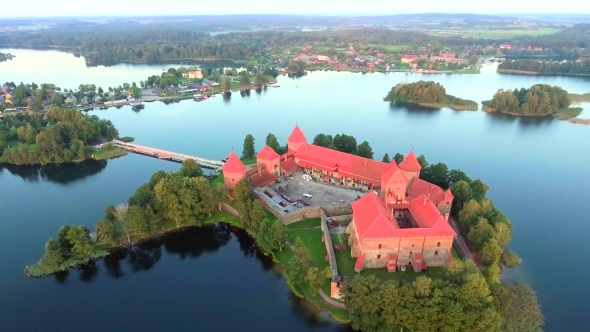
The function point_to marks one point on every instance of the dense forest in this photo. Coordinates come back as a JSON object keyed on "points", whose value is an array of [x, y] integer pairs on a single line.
{"points": [[538, 100], [63, 135], [419, 92], [581, 67]]}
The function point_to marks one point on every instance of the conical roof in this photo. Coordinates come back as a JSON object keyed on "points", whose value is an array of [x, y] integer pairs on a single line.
{"points": [[297, 136], [410, 163], [233, 164]]}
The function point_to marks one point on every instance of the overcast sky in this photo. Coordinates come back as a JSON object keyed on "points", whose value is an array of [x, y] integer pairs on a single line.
{"points": [[48, 8]]}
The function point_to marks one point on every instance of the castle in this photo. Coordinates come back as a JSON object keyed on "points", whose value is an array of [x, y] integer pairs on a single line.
{"points": [[401, 223]]}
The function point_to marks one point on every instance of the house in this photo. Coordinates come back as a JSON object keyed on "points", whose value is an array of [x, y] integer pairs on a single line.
{"points": [[98, 100], [371, 64], [209, 83], [408, 58], [71, 99], [84, 101], [193, 74], [506, 46], [323, 58], [172, 89]]}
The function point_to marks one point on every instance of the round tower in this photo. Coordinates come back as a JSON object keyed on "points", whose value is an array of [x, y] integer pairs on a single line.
{"points": [[410, 167]]}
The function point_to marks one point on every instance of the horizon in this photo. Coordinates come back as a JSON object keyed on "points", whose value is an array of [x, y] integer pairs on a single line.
{"points": [[153, 8]]}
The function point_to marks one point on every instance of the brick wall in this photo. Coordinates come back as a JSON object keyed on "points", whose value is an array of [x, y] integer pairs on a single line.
{"points": [[329, 245], [337, 209], [230, 209], [286, 218]]}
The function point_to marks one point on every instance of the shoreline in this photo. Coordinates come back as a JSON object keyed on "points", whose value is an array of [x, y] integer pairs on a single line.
{"points": [[534, 73]]}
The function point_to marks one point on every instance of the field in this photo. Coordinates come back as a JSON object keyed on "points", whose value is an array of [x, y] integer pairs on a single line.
{"points": [[108, 154], [497, 33], [16, 145]]}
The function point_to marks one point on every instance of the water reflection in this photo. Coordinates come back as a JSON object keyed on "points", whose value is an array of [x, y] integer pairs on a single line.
{"points": [[88, 271], [62, 173], [413, 109], [525, 122]]}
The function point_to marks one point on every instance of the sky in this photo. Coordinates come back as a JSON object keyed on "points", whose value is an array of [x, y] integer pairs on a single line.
{"points": [[62, 8]]}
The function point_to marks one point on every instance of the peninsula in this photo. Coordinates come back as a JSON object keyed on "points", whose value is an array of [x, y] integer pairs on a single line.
{"points": [[428, 94], [397, 250]]}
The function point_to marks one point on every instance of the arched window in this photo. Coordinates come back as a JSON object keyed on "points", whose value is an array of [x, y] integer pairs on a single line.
{"points": [[380, 246], [438, 244]]}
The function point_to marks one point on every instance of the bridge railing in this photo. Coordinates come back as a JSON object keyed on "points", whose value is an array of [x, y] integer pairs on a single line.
{"points": [[168, 153]]}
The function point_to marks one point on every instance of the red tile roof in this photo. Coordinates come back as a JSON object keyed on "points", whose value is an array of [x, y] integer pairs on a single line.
{"points": [[449, 194], [267, 153], [289, 165], [371, 217], [233, 164], [296, 136], [390, 170], [410, 163], [264, 178], [421, 187], [363, 169]]}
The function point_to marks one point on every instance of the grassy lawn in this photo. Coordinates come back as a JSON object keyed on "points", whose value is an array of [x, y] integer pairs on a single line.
{"points": [[469, 70], [307, 223], [249, 161], [103, 154], [16, 145]]}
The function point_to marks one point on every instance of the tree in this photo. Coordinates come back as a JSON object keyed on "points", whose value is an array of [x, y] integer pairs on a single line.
{"points": [[248, 151], [245, 80], [345, 143], [244, 209], [398, 158], [79, 237], [479, 190], [135, 92], [107, 232], [280, 234], [423, 286], [100, 90], [422, 161], [437, 174], [315, 278], [365, 150], [121, 216], [272, 142], [35, 105], [462, 192], [225, 84], [523, 313], [473, 59], [139, 222], [64, 243], [480, 233], [386, 158], [363, 299], [257, 215], [243, 191], [265, 237], [261, 80], [190, 168], [510, 259], [324, 140], [53, 255], [491, 252], [110, 213]]}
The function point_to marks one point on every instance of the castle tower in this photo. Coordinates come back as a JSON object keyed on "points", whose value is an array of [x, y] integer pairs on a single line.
{"points": [[296, 140], [268, 157], [233, 171], [410, 167], [393, 185]]}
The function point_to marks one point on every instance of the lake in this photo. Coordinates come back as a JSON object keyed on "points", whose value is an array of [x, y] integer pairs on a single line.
{"points": [[536, 169]]}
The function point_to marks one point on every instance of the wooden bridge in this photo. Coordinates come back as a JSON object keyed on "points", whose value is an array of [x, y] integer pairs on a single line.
{"points": [[168, 155]]}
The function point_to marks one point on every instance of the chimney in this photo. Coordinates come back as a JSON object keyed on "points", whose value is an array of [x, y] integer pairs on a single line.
{"points": [[365, 165], [446, 217]]}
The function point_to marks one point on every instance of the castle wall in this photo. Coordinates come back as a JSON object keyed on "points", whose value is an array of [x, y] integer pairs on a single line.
{"points": [[271, 165], [231, 179]]}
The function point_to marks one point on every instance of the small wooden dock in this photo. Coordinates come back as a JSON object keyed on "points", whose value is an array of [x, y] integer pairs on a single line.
{"points": [[168, 155]]}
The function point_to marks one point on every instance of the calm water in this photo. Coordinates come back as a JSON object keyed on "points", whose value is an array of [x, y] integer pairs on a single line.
{"points": [[536, 168]]}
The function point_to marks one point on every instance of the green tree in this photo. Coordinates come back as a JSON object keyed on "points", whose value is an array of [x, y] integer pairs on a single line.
{"points": [[422, 161], [364, 301], [225, 84], [243, 191], [315, 278], [124, 222], [272, 142], [437, 174], [365, 150], [257, 215], [345, 143], [248, 151], [398, 158], [100, 91], [386, 158], [479, 190], [190, 168], [473, 59], [107, 232], [491, 252], [140, 225], [53, 255], [265, 237], [110, 213], [79, 237], [462, 192], [523, 313], [135, 92], [244, 209], [510, 259], [323, 140], [64, 243], [279, 234]]}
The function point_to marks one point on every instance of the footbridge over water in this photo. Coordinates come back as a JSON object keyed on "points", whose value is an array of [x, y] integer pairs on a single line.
{"points": [[168, 155]]}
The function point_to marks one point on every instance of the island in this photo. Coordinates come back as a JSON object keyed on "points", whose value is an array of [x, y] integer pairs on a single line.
{"points": [[538, 100], [428, 94], [540, 67], [5, 57], [384, 258], [59, 136]]}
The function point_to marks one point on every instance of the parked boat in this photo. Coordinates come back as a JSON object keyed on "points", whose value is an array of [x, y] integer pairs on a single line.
{"points": [[135, 103]]}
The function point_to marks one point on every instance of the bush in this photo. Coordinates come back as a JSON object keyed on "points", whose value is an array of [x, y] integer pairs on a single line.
{"points": [[127, 139]]}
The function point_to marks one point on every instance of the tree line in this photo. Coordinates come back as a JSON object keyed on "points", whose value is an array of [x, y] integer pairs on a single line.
{"points": [[539, 100], [63, 135], [581, 67]]}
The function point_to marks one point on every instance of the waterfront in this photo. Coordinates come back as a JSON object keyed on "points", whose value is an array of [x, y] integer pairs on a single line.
{"points": [[536, 168]]}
